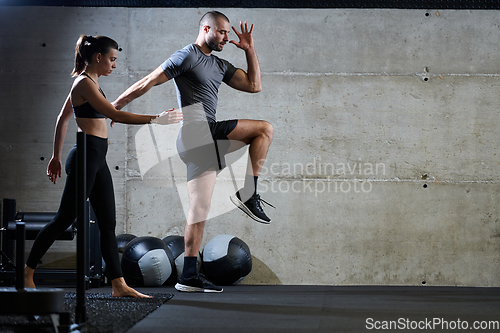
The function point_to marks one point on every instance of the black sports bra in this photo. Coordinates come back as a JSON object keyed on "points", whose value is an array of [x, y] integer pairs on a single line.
{"points": [[86, 110]]}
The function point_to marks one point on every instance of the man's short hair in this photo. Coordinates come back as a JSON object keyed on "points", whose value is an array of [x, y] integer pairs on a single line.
{"points": [[211, 17]]}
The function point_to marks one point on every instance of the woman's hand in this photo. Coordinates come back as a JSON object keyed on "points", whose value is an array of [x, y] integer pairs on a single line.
{"points": [[54, 169], [168, 117]]}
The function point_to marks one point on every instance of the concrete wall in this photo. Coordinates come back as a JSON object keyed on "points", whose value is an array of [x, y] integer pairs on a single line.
{"points": [[384, 165]]}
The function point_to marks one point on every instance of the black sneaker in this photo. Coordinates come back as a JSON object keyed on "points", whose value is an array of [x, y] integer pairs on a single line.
{"points": [[252, 207], [197, 283]]}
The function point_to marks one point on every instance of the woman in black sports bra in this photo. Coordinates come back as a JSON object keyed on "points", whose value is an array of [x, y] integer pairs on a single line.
{"points": [[94, 56]]}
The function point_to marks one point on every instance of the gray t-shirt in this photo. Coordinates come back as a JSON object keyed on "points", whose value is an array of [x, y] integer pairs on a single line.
{"points": [[197, 79]]}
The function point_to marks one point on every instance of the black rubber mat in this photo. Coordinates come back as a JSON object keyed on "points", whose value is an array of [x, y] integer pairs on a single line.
{"points": [[327, 309], [104, 312]]}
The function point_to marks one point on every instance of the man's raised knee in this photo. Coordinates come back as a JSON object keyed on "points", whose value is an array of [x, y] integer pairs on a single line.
{"points": [[268, 130]]}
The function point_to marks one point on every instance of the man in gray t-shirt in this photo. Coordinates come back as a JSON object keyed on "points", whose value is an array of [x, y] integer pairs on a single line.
{"points": [[203, 141], [197, 78]]}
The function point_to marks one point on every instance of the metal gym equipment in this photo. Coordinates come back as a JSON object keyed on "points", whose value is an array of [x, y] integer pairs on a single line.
{"points": [[37, 301]]}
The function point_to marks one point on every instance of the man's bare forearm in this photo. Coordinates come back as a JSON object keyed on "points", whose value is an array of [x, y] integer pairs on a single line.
{"points": [[141, 87], [134, 91], [253, 70]]}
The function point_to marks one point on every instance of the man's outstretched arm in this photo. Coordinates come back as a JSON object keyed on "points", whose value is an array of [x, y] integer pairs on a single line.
{"points": [[141, 87], [249, 81]]}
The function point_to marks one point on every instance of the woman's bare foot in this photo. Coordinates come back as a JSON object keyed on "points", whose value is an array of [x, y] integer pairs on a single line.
{"points": [[121, 289], [28, 277]]}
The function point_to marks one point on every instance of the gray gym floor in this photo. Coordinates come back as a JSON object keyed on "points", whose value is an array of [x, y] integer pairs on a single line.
{"points": [[247, 308]]}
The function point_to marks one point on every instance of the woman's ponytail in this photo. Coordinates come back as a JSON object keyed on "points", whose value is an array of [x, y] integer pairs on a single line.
{"points": [[81, 54], [86, 47]]}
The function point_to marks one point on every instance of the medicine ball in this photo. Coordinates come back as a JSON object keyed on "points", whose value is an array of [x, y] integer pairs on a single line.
{"points": [[123, 241], [146, 261], [226, 260]]}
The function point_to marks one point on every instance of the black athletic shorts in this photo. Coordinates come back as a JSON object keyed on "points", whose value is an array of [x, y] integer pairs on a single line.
{"points": [[202, 145]]}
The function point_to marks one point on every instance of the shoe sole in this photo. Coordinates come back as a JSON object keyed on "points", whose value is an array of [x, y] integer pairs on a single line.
{"points": [[237, 202], [190, 289]]}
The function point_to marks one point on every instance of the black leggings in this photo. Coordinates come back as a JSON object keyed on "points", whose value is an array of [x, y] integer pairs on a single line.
{"points": [[101, 195]]}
